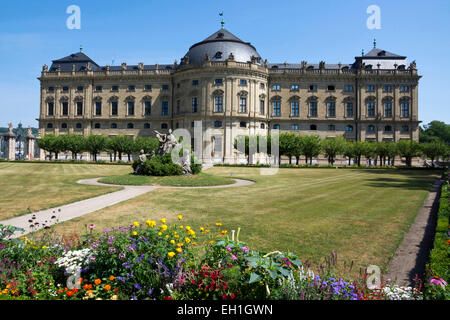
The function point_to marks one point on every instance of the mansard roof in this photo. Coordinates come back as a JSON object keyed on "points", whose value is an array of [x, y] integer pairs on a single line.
{"points": [[376, 53], [79, 59]]}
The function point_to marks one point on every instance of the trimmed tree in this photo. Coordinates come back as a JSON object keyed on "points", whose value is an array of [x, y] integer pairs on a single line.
{"points": [[312, 147], [434, 149], [96, 144], [408, 150], [333, 147], [75, 143]]}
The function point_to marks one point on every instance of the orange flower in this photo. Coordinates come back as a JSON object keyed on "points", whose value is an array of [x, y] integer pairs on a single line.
{"points": [[89, 292], [107, 287], [86, 287], [69, 293], [111, 278], [97, 282], [116, 290]]}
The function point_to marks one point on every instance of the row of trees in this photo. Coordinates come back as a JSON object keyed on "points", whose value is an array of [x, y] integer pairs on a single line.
{"points": [[311, 146], [116, 146]]}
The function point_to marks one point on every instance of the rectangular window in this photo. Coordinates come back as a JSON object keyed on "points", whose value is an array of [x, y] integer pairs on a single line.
{"points": [[148, 87], [165, 108], [50, 89], [51, 109], [65, 108], [243, 82], [262, 107], [147, 108], [313, 109], [114, 108], [370, 88], [349, 88], [349, 109], [371, 109], [405, 109], [195, 82], [313, 88], [405, 128], [218, 104], [98, 108], [276, 87], [131, 88], [79, 108], [404, 88], [331, 127], [131, 108], [295, 87], [115, 88], [276, 108], [262, 86], [294, 109], [98, 88], [194, 104], [294, 127], [218, 82], [331, 109], [165, 87], [388, 109], [65, 89], [388, 88], [80, 89], [242, 104], [331, 88]]}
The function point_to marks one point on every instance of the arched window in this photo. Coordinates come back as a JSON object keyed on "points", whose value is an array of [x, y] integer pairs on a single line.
{"points": [[313, 127], [113, 125], [371, 128], [146, 125], [130, 126], [263, 126], [64, 126], [371, 108], [349, 128], [276, 126], [49, 126], [218, 124], [79, 126]]}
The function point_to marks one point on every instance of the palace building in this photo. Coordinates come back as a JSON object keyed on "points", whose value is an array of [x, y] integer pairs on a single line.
{"points": [[223, 83]]}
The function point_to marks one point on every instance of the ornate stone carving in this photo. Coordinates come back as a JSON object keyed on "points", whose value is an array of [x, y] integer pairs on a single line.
{"points": [[322, 65], [124, 66], [44, 68], [167, 143], [231, 57]]}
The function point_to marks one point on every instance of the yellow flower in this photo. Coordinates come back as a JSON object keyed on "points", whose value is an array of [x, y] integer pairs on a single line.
{"points": [[159, 233], [188, 228], [163, 227], [163, 220], [212, 241], [180, 244], [44, 247], [187, 240], [180, 217], [150, 223], [167, 236], [178, 250], [171, 254], [136, 224], [181, 227], [218, 224], [224, 231], [202, 229], [172, 241], [176, 236], [134, 233]]}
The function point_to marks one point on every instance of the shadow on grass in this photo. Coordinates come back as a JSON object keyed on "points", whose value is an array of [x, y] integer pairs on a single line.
{"points": [[403, 179]]}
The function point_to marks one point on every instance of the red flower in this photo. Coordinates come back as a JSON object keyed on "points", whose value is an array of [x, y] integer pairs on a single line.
{"points": [[168, 298], [69, 293]]}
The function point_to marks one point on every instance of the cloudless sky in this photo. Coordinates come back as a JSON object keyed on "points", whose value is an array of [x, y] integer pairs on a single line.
{"points": [[33, 33]]}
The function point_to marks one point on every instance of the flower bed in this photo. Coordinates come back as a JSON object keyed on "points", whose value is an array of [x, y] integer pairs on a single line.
{"points": [[154, 260], [438, 269]]}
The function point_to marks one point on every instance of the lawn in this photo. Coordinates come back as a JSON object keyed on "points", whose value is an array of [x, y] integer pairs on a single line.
{"points": [[30, 187], [360, 214]]}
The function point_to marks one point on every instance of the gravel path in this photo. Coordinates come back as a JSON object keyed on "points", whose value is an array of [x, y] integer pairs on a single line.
{"points": [[412, 255], [38, 220]]}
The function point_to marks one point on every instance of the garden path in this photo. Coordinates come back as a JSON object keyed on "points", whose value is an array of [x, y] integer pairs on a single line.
{"points": [[38, 220]]}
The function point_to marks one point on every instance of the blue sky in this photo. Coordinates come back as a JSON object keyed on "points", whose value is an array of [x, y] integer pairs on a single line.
{"points": [[33, 33]]}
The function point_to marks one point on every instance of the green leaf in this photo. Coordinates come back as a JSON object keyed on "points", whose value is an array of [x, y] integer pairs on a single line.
{"points": [[254, 277]]}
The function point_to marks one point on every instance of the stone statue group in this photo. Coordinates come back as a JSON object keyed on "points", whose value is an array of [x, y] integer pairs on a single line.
{"points": [[167, 143]]}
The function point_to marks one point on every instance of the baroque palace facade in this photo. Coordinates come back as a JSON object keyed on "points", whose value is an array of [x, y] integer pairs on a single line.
{"points": [[224, 84]]}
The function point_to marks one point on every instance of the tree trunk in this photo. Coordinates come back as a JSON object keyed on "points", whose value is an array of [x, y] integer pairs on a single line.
{"points": [[297, 159]]}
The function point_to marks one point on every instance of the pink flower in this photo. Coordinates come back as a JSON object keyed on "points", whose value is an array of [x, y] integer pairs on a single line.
{"points": [[229, 249], [245, 249], [438, 281], [233, 257], [91, 226]]}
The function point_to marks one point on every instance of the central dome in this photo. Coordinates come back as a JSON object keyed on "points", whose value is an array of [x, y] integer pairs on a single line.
{"points": [[220, 45]]}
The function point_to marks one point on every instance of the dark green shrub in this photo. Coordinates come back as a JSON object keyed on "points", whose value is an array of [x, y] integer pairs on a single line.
{"points": [[196, 168], [160, 166]]}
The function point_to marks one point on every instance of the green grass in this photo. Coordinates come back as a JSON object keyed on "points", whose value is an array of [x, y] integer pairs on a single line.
{"points": [[30, 187], [361, 214], [201, 179]]}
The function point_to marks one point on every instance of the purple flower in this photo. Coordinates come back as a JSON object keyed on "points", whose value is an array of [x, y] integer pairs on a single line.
{"points": [[121, 256], [438, 281], [233, 257], [138, 287], [112, 250], [229, 249], [245, 249]]}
